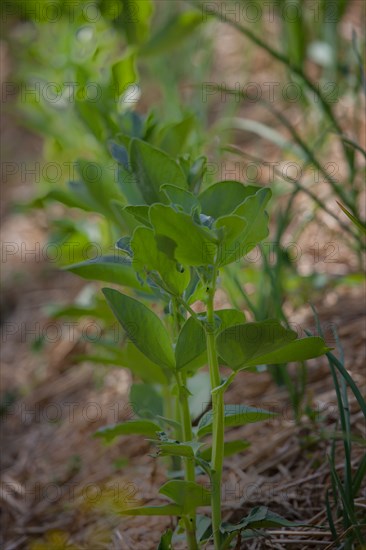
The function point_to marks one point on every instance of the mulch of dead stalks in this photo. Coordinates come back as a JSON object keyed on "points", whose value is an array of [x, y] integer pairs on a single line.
{"points": [[61, 488]]}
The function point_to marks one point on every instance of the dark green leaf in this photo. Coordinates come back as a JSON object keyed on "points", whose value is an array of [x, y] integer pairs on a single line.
{"points": [[147, 258], [261, 517], [190, 351], [222, 198], [110, 269], [153, 168], [299, 350], [174, 137], [131, 358], [143, 327], [191, 345], [187, 494], [242, 344], [140, 213], [230, 448], [166, 540], [172, 448], [131, 427], [180, 237], [146, 402], [253, 211], [182, 198], [235, 415]]}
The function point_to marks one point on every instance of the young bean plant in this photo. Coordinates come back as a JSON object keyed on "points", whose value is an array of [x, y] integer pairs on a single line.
{"points": [[179, 239]]}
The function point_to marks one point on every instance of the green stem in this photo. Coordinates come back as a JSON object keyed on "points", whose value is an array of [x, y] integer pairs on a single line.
{"points": [[218, 416], [190, 521], [185, 418]]}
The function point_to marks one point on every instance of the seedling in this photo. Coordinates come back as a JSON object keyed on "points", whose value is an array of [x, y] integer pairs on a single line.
{"points": [[180, 240]]}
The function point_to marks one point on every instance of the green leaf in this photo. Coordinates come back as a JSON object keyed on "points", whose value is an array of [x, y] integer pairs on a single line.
{"points": [[191, 345], [222, 198], [166, 540], [356, 221], [230, 448], [182, 198], [123, 245], [173, 33], [173, 448], [231, 233], [190, 350], [140, 213], [299, 350], [187, 494], [154, 168], [131, 427], [130, 357], [235, 415], [124, 73], [242, 344], [253, 211], [110, 269], [173, 137], [180, 237], [147, 258], [259, 518], [97, 186], [143, 327], [146, 402]]}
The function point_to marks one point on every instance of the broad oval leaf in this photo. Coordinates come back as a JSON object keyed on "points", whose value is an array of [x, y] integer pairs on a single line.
{"points": [[299, 350], [143, 327], [235, 415], [166, 540], [181, 238], [152, 169], [147, 257], [190, 351], [223, 197], [253, 211], [131, 427], [191, 345], [146, 402], [187, 449], [260, 518], [230, 448], [140, 212], [182, 198], [242, 344], [231, 230], [187, 494], [110, 269], [130, 357]]}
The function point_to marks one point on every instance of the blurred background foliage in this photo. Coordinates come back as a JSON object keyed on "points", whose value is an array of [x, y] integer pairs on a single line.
{"points": [[92, 75]]}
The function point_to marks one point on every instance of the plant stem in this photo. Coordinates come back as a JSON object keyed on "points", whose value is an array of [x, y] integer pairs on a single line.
{"points": [[190, 521], [185, 418], [218, 416]]}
